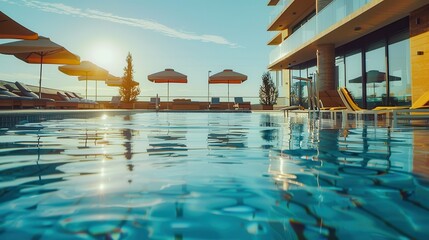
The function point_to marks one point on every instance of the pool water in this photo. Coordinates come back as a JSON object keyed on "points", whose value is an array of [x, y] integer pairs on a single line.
{"points": [[212, 176]]}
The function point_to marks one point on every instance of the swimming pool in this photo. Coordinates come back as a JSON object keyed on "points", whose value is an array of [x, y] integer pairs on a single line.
{"points": [[211, 176]]}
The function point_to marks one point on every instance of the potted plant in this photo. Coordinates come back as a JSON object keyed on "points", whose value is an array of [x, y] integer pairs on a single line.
{"points": [[268, 92]]}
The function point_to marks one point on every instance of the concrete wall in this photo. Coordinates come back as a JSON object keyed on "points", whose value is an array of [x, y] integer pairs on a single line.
{"points": [[419, 51]]}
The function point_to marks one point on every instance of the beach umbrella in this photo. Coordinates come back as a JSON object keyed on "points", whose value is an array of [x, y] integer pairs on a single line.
{"points": [[374, 76], [9, 29], [227, 76], [100, 77], [168, 76], [86, 69], [40, 51], [117, 82]]}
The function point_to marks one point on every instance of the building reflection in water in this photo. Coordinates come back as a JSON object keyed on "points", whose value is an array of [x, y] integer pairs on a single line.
{"points": [[226, 139], [168, 140], [364, 177], [223, 138], [269, 131], [421, 154], [168, 143]]}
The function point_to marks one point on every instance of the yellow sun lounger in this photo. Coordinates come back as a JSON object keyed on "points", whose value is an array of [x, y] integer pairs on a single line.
{"points": [[421, 106]]}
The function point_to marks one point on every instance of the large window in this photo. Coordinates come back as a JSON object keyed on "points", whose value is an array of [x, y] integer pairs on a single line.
{"points": [[295, 91], [340, 74], [375, 65], [354, 75], [298, 88], [399, 70], [303, 21], [375, 69], [303, 88]]}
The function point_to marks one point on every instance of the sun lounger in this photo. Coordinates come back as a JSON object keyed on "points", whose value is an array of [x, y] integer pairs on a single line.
{"points": [[215, 103], [330, 99], [353, 108], [73, 102], [155, 103], [419, 110], [39, 102], [25, 101], [115, 102], [72, 97], [26, 91], [240, 104], [290, 108], [12, 100], [331, 103], [215, 100], [12, 88]]}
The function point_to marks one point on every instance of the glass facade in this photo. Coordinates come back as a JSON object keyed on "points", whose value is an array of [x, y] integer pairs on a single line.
{"points": [[399, 70], [295, 88], [334, 12], [340, 72], [376, 68], [298, 89], [353, 75]]}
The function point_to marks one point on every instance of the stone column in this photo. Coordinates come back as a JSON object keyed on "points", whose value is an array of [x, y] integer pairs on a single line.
{"points": [[326, 67]]}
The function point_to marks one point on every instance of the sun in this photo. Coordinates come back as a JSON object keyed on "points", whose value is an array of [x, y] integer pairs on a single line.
{"points": [[107, 55]]}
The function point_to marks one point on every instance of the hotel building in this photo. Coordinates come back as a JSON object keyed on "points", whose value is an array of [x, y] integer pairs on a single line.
{"points": [[378, 49]]}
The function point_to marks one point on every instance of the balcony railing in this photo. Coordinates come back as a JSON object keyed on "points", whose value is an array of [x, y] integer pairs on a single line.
{"points": [[327, 17], [278, 9]]}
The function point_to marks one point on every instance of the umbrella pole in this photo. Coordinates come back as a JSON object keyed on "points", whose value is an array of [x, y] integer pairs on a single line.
{"points": [[208, 90], [96, 89], [86, 87], [168, 94], [228, 94], [40, 77], [208, 95]]}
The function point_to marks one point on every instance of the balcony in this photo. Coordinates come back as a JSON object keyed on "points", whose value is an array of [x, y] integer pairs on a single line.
{"points": [[288, 12], [277, 9], [275, 38], [330, 15]]}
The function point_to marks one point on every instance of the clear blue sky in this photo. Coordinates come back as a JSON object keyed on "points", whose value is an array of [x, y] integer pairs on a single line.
{"points": [[190, 36]]}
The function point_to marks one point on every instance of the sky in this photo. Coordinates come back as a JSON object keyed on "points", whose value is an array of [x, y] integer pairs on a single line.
{"points": [[191, 36]]}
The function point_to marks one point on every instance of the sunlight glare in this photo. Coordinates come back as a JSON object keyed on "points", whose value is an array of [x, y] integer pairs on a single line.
{"points": [[107, 55], [101, 187]]}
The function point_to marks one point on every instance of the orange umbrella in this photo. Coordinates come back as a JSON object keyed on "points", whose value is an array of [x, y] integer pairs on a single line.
{"points": [[227, 77], [40, 51], [117, 82], [11, 29], [85, 68], [168, 76]]}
